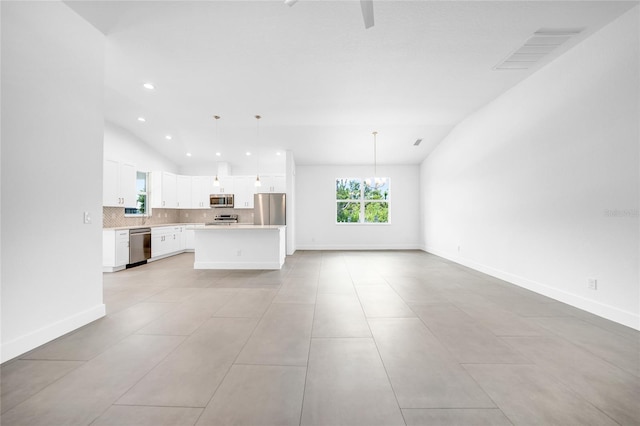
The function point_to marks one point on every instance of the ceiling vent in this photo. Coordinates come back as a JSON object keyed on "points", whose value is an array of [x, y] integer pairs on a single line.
{"points": [[417, 142], [539, 45]]}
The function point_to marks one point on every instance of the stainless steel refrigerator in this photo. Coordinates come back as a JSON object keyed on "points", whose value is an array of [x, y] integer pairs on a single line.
{"points": [[269, 209]]}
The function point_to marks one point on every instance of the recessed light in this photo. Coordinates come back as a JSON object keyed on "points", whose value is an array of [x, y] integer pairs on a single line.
{"points": [[141, 119], [278, 153], [168, 137], [148, 86], [188, 154], [248, 153], [218, 154]]}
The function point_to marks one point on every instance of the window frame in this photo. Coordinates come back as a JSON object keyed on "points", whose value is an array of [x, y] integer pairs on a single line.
{"points": [[362, 201], [147, 212]]}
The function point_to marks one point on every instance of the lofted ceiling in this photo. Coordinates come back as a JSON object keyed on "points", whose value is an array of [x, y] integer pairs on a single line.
{"points": [[320, 80]]}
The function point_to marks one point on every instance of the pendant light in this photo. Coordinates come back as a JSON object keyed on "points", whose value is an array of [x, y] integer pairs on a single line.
{"points": [[216, 181], [257, 183], [376, 180]]}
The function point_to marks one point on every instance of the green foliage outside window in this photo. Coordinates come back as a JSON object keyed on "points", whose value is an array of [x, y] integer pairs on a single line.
{"points": [[351, 195]]}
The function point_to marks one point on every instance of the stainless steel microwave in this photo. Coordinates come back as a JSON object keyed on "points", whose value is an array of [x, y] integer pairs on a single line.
{"points": [[221, 200]]}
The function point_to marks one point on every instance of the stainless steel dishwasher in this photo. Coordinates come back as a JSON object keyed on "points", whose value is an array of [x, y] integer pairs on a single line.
{"points": [[139, 246]]}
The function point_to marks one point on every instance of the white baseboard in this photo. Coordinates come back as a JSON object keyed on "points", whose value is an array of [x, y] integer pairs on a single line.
{"points": [[23, 344], [409, 246], [609, 312]]}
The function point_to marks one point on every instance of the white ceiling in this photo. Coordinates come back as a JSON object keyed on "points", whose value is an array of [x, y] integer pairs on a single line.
{"points": [[320, 80]]}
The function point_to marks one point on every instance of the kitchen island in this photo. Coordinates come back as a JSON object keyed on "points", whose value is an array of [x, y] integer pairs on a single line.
{"points": [[239, 246]]}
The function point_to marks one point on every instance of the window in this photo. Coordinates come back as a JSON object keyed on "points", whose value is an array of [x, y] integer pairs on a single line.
{"points": [[362, 200], [141, 188]]}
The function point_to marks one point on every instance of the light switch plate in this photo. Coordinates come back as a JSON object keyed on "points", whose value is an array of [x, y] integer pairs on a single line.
{"points": [[87, 217], [592, 283]]}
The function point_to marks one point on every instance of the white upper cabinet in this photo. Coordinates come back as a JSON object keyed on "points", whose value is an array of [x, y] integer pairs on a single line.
{"points": [[119, 184], [244, 189], [183, 184], [201, 188], [226, 185], [164, 189], [273, 183]]}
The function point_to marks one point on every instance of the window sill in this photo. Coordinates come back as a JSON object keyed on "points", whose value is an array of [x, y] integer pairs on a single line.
{"points": [[363, 224]]}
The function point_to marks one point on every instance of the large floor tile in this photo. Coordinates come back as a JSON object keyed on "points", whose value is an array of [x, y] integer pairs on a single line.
{"points": [[96, 337], [498, 320], [421, 370], [340, 285], [191, 374], [247, 303], [297, 291], [22, 379], [380, 301], [417, 291], [191, 314], [529, 396], [616, 349], [85, 393], [455, 417], [281, 338], [257, 395], [347, 385], [135, 415], [606, 386], [339, 315], [464, 338]]}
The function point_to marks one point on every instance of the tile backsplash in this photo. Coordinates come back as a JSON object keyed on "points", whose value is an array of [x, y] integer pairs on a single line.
{"points": [[113, 217]]}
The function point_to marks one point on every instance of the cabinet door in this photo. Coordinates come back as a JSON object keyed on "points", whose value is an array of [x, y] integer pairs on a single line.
{"points": [[206, 189], [196, 192], [169, 190], [226, 185], [244, 189], [122, 248], [161, 240], [183, 193], [279, 184], [201, 188], [127, 184], [271, 184], [110, 196]]}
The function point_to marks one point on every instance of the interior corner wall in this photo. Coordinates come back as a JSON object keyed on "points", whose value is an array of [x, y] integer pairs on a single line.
{"points": [[541, 186], [315, 214], [291, 203], [52, 130], [121, 145]]}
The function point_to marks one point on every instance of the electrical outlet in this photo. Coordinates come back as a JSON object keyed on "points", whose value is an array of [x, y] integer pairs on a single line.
{"points": [[592, 283], [458, 249], [239, 253], [87, 217]]}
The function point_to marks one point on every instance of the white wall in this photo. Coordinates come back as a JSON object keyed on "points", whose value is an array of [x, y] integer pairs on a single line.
{"points": [[524, 185], [315, 214], [121, 145], [52, 89], [291, 203]]}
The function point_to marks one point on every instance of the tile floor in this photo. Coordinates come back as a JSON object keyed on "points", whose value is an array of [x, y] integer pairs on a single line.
{"points": [[335, 338]]}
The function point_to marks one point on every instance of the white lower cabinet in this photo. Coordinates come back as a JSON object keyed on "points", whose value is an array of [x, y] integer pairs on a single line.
{"points": [[115, 249], [166, 240]]}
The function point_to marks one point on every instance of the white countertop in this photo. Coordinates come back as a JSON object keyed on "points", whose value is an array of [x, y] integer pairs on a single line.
{"points": [[156, 225]]}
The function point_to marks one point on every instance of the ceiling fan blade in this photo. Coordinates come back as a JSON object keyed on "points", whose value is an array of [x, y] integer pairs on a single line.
{"points": [[367, 12]]}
